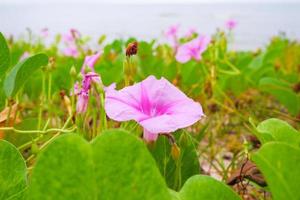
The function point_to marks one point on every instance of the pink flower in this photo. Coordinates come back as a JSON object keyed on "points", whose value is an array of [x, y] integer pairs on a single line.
{"points": [[231, 24], [172, 31], [190, 32], [71, 51], [82, 102], [192, 49], [90, 61], [172, 35], [70, 37], [83, 93], [157, 105]]}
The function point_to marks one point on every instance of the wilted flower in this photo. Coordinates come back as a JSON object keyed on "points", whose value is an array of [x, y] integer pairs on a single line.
{"points": [[192, 49], [88, 79], [157, 105], [83, 93], [132, 49], [231, 24], [89, 62]]}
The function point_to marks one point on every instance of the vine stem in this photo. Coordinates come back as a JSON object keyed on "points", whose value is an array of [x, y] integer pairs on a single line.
{"points": [[41, 136], [49, 86], [37, 131], [8, 113], [42, 101]]}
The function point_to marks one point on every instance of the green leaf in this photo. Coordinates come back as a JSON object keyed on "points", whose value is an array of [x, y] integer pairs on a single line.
{"points": [[64, 170], [202, 187], [4, 56], [188, 159], [174, 194], [21, 72], [280, 164], [125, 168], [282, 92], [12, 171], [278, 130]]}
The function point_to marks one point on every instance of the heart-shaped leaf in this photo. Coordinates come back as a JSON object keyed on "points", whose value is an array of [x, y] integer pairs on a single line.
{"points": [[282, 92], [280, 164], [21, 72], [12, 171], [4, 56], [125, 168], [202, 187], [64, 170], [278, 130]]}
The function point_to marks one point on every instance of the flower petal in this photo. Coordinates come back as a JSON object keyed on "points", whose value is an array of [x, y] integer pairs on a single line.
{"points": [[90, 61], [181, 115], [149, 137], [123, 105], [183, 54]]}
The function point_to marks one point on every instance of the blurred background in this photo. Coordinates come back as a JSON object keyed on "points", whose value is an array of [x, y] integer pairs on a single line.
{"points": [[256, 20]]}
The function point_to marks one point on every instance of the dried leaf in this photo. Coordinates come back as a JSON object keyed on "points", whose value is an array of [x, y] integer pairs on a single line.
{"points": [[247, 171]]}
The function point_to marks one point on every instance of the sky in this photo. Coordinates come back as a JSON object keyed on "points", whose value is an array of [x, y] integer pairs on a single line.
{"points": [[142, 1]]}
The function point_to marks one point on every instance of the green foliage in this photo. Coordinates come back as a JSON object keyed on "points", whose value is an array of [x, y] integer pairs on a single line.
{"points": [[277, 130], [115, 166], [12, 172], [202, 187], [280, 164], [283, 92], [64, 170], [125, 169], [21, 72], [4, 56], [176, 171]]}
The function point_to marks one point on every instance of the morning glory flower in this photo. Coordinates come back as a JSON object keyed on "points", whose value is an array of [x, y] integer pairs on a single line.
{"points": [[231, 24], [89, 62], [192, 49], [71, 51], [172, 35], [172, 31], [70, 37], [157, 105]]}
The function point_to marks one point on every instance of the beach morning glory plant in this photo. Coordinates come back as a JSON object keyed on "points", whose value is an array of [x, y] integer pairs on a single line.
{"points": [[157, 105], [192, 49]]}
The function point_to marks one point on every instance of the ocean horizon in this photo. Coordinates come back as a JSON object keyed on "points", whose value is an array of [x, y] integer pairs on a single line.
{"points": [[257, 22]]}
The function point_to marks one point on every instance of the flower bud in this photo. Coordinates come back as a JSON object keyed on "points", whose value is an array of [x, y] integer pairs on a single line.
{"points": [[175, 151], [132, 49], [73, 72]]}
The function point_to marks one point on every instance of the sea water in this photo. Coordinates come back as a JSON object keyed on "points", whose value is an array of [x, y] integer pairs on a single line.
{"points": [[257, 22]]}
